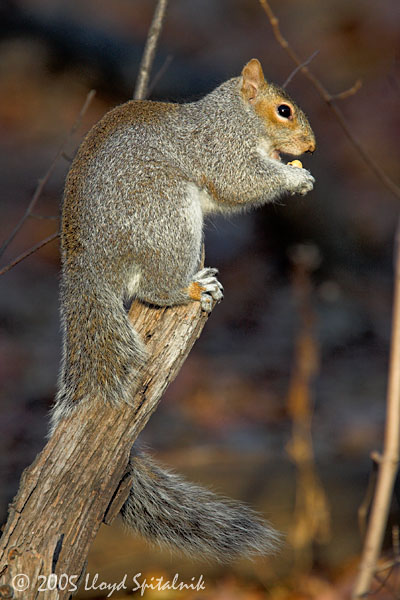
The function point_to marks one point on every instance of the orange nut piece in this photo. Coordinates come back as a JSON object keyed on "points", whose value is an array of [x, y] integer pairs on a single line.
{"points": [[296, 163]]}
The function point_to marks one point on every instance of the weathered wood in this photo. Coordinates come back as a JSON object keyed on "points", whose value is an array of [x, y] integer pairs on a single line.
{"points": [[77, 481]]}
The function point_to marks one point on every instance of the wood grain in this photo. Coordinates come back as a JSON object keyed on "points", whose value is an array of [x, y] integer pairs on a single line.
{"points": [[79, 478]]}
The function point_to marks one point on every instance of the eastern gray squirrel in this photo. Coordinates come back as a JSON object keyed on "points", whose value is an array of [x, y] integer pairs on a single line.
{"points": [[132, 227]]}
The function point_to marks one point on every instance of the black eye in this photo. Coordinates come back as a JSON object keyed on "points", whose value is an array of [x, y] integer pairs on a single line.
{"points": [[284, 111]]}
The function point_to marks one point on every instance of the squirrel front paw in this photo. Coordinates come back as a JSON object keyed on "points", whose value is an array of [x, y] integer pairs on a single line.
{"points": [[206, 288], [301, 181]]}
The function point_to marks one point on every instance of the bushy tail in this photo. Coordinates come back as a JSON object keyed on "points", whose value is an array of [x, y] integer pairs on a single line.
{"points": [[166, 509], [102, 353]]}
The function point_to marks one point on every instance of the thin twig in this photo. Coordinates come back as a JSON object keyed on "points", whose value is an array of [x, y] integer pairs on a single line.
{"points": [[384, 585], [299, 67], [44, 217], [159, 74], [66, 157], [149, 51], [395, 541], [329, 99], [43, 181], [27, 253], [311, 512], [365, 505], [390, 457], [350, 92], [390, 564]]}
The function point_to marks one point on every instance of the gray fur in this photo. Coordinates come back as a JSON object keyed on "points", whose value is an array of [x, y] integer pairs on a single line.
{"points": [[132, 226], [166, 509]]}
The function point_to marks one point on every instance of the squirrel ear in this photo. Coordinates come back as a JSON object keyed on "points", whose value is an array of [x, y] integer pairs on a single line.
{"points": [[253, 79]]}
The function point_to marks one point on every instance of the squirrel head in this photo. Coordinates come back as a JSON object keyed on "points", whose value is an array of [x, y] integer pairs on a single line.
{"points": [[287, 127]]}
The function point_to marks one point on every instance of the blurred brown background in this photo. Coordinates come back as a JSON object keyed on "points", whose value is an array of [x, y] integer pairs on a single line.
{"points": [[225, 421]]}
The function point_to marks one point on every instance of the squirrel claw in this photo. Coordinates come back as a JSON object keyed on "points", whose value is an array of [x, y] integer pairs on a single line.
{"points": [[211, 289]]}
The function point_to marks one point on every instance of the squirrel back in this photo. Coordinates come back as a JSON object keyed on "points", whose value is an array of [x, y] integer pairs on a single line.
{"points": [[132, 227]]}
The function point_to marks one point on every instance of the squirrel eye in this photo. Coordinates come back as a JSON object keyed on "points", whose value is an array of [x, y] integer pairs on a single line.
{"points": [[284, 111]]}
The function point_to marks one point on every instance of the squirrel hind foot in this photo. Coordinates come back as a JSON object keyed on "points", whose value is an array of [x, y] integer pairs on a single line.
{"points": [[206, 288]]}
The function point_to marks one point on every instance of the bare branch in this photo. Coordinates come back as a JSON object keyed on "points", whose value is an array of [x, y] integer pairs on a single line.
{"points": [[329, 99], [350, 92], [365, 505], [27, 253], [384, 585], [390, 457], [299, 67], [43, 181], [66, 157], [44, 217], [159, 74], [62, 498], [387, 565], [311, 512], [395, 541], [149, 51]]}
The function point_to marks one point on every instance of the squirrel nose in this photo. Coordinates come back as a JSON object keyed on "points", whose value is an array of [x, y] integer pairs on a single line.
{"points": [[312, 147]]}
